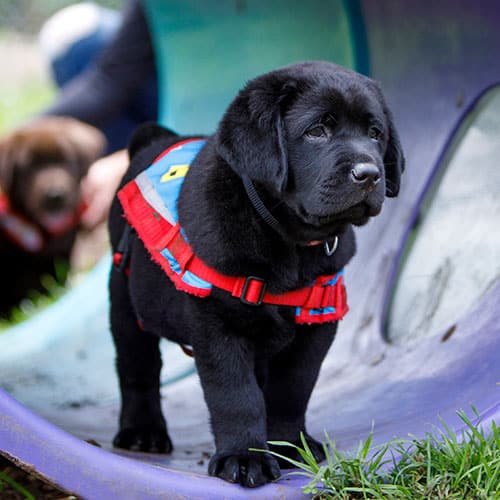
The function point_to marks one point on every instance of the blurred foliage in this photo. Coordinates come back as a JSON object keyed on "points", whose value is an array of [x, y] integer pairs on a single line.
{"points": [[27, 16], [54, 287], [25, 86], [17, 104]]}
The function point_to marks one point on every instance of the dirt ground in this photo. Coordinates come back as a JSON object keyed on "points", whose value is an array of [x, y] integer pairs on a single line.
{"points": [[13, 480]]}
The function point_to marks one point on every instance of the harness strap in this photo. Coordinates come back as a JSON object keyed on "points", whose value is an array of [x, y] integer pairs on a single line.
{"points": [[122, 255], [18, 229], [24, 233], [252, 290], [149, 205], [4, 202]]}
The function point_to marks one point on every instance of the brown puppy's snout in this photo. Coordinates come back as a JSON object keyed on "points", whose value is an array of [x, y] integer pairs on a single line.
{"points": [[52, 198], [365, 175], [54, 189], [55, 200]]}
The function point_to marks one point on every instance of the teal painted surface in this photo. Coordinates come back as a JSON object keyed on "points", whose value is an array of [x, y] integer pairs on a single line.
{"points": [[207, 51], [359, 39], [63, 358]]}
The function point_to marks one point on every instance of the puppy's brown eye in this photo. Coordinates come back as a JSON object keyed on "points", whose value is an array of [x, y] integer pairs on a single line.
{"points": [[316, 131], [374, 133]]}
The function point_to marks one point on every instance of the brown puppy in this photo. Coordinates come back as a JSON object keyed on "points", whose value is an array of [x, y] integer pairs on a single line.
{"points": [[41, 166]]}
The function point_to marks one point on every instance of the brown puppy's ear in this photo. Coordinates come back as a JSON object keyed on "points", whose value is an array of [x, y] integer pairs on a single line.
{"points": [[12, 154], [252, 137], [5, 166], [86, 142]]}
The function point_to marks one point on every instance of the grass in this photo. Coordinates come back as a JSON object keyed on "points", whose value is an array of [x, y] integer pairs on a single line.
{"points": [[442, 465], [17, 484], [6, 480], [21, 103], [54, 288], [25, 88]]}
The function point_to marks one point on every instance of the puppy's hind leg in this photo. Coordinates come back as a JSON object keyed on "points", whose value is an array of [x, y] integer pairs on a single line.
{"points": [[291, 378], [138, 361]]}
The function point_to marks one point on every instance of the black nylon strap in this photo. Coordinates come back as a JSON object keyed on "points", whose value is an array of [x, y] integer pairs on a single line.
{"points": [[262, 210], [124, 247], [269, 219]]}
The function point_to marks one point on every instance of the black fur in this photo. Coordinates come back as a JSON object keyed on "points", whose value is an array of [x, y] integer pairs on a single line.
{"points": [[256, 366]]}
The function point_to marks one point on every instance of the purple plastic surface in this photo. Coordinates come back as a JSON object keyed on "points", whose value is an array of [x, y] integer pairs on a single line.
{"points": [[433, 59]]}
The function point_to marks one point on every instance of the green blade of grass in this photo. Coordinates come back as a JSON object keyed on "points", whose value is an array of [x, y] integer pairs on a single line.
{"points": [[6, 479], [296, 463], [441, 465]]}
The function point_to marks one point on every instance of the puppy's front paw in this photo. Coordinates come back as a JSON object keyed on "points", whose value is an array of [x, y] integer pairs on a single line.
{"points": [[149, 439], [248, 468], [315, 446]]}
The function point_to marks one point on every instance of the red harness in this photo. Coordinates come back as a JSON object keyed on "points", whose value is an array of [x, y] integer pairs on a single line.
{"points": [[323, 301], [24, 233]]}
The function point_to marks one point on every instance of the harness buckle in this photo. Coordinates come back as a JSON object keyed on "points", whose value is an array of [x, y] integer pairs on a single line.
{"points": [[253, 286]]}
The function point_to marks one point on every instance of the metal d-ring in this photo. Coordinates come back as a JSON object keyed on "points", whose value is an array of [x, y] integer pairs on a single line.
{"points": [[330, 250]]}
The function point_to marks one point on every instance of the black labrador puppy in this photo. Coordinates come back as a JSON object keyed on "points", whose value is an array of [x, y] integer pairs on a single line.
{"points": [[263, 221]]}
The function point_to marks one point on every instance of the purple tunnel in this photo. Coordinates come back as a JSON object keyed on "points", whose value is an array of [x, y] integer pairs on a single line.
{"points": [[422, 338]]}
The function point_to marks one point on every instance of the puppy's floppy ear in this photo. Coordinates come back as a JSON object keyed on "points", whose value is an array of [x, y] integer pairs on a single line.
{"points": [[6, 163], [17, 148], [146, 134], [14, 153], [86, 141], [252, 137], [394, 160]]}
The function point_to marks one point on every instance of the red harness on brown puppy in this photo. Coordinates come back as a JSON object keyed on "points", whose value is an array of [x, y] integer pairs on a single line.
{"points": [[27, 235]]}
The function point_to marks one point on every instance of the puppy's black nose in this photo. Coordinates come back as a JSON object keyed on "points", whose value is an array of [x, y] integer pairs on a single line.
{"points": [[54, 201], [366, 175]]}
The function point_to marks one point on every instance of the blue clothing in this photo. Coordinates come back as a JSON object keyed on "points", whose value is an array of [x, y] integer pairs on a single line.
{"points": [[108, 79]]}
